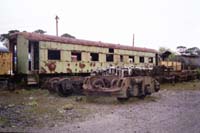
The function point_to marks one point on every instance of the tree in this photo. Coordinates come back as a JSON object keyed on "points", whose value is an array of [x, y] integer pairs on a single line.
{"points": [[68, 35], [193, 51], [5, 36], [163, 49], [181, 49], [40, 31], [172, 56]]}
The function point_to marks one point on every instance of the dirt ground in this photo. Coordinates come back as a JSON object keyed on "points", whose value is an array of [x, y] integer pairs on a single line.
{"points": [[173, 109]]}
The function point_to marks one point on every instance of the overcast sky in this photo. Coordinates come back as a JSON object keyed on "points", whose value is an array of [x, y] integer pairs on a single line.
{"points": [[155, 23]]}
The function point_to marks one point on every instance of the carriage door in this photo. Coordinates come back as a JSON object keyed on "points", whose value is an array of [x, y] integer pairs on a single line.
{"points": [[33, 55]]}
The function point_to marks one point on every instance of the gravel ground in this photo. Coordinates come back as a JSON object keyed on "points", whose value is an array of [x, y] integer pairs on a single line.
{"points": [[171, 112], [174, 109]]}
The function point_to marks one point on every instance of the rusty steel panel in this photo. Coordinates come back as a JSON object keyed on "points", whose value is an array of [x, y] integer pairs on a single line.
{"points": [[5, 63]]}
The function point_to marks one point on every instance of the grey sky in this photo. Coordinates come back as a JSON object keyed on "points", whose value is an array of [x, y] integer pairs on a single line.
{"points": [[155, 23]]}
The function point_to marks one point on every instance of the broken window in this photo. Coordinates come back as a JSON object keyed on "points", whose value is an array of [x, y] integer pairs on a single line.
{"points": [[76, 56], [94, 56], [131, 59], [121, 58], [53, 54], [109, 58], [150, 59], [141, 59], [111, 50]]}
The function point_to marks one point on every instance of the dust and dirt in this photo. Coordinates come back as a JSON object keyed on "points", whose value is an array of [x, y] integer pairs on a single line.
{"points": [[175, 108]]}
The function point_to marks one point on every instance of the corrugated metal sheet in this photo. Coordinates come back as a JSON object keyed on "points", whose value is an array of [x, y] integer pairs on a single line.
{"points": [[50, 38]]}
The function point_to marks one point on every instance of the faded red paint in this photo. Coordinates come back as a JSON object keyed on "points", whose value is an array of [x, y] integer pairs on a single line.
{"points": [[66, 40], [81, 65]]}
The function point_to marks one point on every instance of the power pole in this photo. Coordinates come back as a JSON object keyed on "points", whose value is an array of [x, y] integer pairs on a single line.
{"points": [[56, 25], [133, 43]]}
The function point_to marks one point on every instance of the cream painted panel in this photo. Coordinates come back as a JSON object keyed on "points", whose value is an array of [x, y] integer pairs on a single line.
{"points": [[86, 56], [42, 44], [42, 54], [22, 55], [102, 58], [136, 60]]}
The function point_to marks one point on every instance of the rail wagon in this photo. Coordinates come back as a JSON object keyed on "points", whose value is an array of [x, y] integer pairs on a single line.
{"points": [[5, 66], [45, 54], [40, 57]]}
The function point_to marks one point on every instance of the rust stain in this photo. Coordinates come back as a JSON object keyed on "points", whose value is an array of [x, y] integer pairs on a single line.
{"points": [[51, 66], [94, 65], [68, 64], [69, 70], [81, 65]]}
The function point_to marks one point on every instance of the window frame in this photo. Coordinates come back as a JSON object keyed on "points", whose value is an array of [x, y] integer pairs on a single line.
{"points": [[141, 59], [131, 57], [121, 58], [94, 58], [76, 54], [111, 59], [150, 59], [51, 54]]}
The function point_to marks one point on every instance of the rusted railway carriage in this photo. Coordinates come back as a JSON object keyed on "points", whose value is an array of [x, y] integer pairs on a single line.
{"points": [[39, 57], [45, 54], [62, 63]]}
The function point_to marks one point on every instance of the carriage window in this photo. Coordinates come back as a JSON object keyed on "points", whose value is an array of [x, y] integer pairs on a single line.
{"points": [[121, 58], [94, 56], [141, 59], [111, 50], [131, 59], [53, 54], [150, 59], [76, 56], [109, 58]]}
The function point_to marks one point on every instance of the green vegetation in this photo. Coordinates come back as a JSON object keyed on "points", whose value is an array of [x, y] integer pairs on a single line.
{"points": [[192, 85]]}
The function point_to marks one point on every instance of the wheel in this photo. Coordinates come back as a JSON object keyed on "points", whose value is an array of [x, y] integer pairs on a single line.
{"points": [[51, 84], [114, 83], [64, 87], [123, 99], [98, 83]]}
